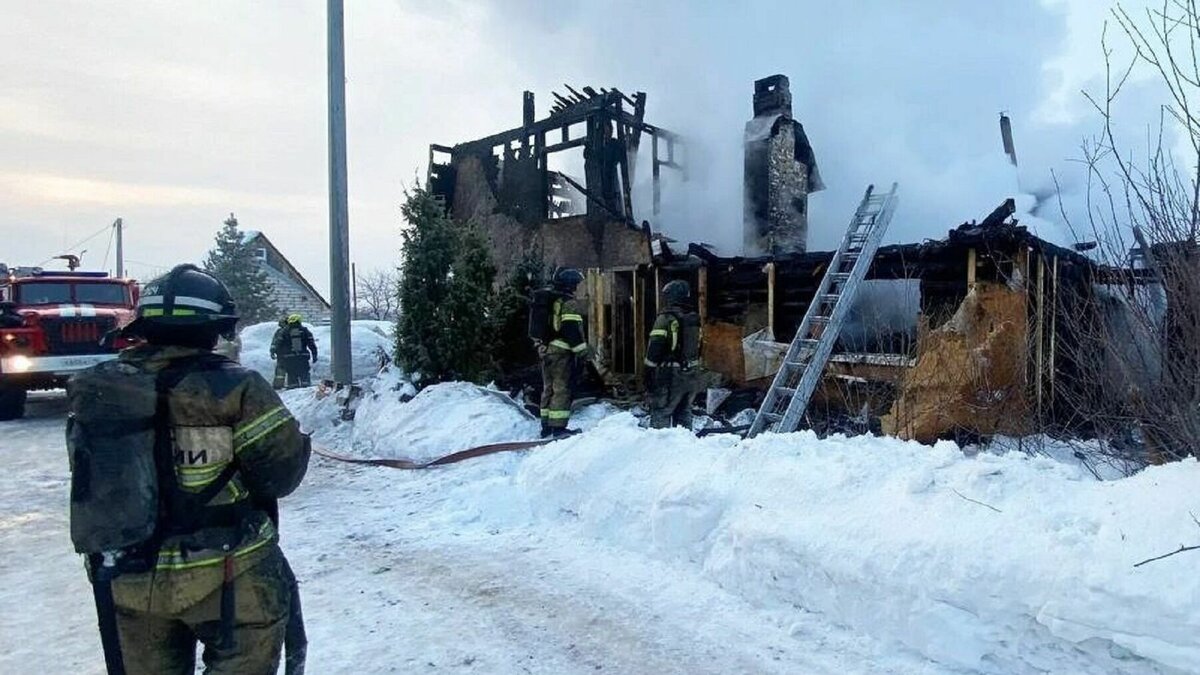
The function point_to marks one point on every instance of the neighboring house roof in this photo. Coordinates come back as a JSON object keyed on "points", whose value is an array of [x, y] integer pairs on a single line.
{"points": [[256, 237]]}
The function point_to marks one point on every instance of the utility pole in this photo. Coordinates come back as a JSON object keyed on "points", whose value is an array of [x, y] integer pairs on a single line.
{"points": [[119, 227], [339, 226]]}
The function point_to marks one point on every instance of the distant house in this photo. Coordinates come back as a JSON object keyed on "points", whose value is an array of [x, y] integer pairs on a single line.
{"points": [[292, 292]]}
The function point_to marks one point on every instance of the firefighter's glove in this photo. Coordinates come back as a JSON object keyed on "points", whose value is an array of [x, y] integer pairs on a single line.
{"points": [[314, 358], [274, 356]]}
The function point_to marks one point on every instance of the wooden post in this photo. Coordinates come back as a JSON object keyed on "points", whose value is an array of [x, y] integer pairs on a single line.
{"points": [[593, 318], [971, 264], [771, 299], [657, 291], [625, 169], [1053, 326], [654, 173], [1040, 333], [639, 322], [601, 315]]}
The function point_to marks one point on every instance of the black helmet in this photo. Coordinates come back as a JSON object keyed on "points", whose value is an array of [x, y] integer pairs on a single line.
{"points": [[676, 292], [185, 297], [567, 279]]}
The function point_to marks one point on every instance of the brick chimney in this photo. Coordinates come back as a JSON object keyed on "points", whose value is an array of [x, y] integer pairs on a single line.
{"points": [[776, 179]]}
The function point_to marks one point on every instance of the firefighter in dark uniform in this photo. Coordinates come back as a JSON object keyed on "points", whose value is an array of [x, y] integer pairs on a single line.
{"points": [[565, 344], [293, 347], [280, 377], [673, 375], [223, 449]]}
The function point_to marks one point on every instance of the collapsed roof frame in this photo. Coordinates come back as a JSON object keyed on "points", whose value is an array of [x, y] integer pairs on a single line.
{"points": [[609, 162]]}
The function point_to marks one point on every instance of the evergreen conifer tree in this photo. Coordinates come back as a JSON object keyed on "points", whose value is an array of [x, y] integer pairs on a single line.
{"points": [[233, 262], [444, 328], [512, 348]]}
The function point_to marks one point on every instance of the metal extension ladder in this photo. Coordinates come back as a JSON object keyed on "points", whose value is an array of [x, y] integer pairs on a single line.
{"points": [[805, 359]]}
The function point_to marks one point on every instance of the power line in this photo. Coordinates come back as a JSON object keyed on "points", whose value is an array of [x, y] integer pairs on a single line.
{"points": [[77, 244], [112, 233]]}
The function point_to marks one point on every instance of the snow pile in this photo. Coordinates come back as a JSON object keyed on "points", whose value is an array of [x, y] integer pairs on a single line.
{"points": [[995, 562], [393, 421], [369, 342], [989, 563]]}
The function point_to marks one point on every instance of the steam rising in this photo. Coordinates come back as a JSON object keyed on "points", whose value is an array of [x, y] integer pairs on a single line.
{"points": [[885, 94]]}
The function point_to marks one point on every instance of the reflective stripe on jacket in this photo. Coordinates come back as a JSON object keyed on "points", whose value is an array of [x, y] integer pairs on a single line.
{"points": [[567, 326]]}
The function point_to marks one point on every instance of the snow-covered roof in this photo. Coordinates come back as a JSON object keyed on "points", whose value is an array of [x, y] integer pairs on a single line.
{"points": [[250, 235]]}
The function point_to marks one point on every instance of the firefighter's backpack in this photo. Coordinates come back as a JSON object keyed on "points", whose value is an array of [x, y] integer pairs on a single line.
{"points": [[687, 352], [541, 309], [122, 457], [111, 442]]}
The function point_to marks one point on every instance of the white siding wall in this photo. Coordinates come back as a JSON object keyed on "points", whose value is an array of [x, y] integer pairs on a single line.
{"points": [[292, 298]]}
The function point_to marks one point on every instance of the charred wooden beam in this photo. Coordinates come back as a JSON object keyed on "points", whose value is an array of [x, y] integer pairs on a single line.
{"points": [[578, 113], [565, 145], [529, 112], [561, 101], [626, 171], [591, 197]]}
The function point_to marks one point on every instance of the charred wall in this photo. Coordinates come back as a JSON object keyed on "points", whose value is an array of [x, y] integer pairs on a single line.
{"points": [[572, 242]]}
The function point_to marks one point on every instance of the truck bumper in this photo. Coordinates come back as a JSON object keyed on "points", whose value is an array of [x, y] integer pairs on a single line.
{"points": [[56, 366]]}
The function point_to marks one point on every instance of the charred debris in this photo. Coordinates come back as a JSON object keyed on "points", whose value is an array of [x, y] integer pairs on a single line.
{"points": [[971, 335]]}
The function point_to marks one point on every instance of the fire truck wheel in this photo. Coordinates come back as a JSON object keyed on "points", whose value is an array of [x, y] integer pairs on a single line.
{"points": [[12, 403]]}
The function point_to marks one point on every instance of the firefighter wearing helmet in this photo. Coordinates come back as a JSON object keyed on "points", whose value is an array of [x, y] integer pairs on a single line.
{"points": [[556, 325], [672, 372], [292, 347], [178, 456]]}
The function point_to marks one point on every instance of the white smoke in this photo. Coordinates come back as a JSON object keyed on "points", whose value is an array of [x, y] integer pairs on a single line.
{"points": [[885, 93]]}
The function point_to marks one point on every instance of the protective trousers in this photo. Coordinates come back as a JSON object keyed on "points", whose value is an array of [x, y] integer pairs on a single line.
{"points": [[297, 369], [671, 396], [556, 388], [165, 643]]}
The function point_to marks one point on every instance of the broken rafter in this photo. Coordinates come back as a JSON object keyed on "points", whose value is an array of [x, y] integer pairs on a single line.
{"points": [[591, 197], [575, 92]]}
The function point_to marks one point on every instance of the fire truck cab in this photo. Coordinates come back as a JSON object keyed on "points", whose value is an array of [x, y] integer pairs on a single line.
{"points": [[54, 323]]}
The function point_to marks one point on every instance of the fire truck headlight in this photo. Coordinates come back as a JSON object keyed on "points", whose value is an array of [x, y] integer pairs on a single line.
{"points": [[18, 364]]}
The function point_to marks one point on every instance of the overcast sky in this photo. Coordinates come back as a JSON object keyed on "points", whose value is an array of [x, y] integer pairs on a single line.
{"points": [[173, 114]]}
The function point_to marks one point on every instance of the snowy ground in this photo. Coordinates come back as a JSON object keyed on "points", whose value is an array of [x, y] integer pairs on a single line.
{"points": [[634, 551], [400, 574]]}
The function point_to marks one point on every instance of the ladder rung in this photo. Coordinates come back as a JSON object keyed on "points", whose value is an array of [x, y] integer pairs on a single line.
{"points": [[772, 417], [786, 391], [830, 297], [819, 318], [797, 364], [839, 276]]}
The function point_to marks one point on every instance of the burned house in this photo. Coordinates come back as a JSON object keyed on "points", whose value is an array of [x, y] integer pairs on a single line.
{"points": [[962, 335], [506, 185]]}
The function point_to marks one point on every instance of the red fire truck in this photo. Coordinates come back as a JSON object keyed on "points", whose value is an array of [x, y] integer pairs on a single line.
{"points": [[54, 323]]}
